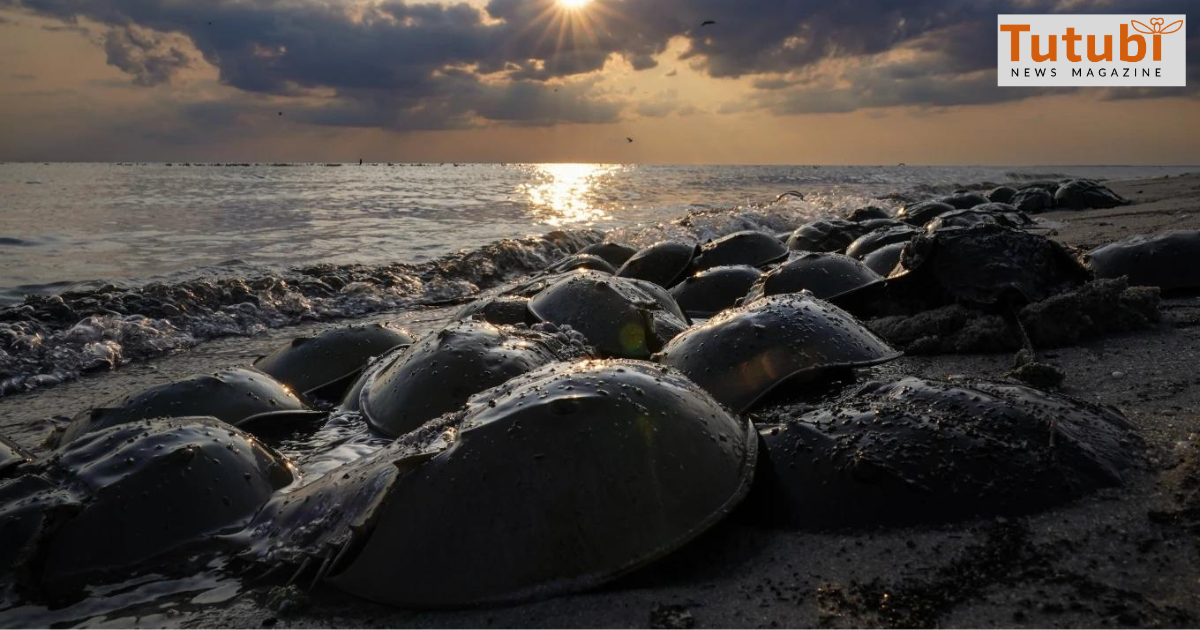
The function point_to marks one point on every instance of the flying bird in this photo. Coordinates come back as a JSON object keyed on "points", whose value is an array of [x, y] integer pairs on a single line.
{"points": [[629, 139], [280, 113], [708, 23]]}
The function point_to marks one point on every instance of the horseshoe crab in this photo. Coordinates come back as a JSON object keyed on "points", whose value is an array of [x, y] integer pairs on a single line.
{"points": [[614, 253], [1168, 260], [827, 276], [714, 290], [985, 265], [143, 489], [923, 212], [619, 318], [1083, 194], [825, 235], [964, 200], [663, 263], [238, 396], [582, 261], [987, 214], [868, 213], [11, 456], [324, 366], [1033, 200], [917, 451], [742, 354], [1001, 194], [502, 310], [559, 480], [440, 372], [749, 247], [877, 239], [883, 260]]}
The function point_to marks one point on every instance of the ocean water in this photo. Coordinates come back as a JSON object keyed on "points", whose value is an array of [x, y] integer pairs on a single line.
{"points": [[154, 258]]}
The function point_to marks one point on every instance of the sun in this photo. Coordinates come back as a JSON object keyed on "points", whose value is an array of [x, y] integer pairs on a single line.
{"points": [[574, 4]]}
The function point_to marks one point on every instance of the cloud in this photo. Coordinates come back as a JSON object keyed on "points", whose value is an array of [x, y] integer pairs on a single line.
{"points": [[151, 59], [399, 64]]}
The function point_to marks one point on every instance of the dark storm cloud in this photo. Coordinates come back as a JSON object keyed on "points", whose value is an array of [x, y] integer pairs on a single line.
{"points": [[400, 65], [149, 58]]}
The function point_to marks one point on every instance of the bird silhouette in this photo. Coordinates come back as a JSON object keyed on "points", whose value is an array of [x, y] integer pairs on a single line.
{"points": [[280, 113], [629, 139], [708, 23]]}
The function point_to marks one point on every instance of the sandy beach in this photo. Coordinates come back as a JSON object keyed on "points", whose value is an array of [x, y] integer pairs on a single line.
{"points": [[1128, 556]]}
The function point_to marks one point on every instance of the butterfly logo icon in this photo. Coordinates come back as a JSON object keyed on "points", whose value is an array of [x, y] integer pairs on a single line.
{"points": [[1156, 27]]}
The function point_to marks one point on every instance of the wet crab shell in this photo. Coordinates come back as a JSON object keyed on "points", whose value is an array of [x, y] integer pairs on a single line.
{"points": [[964, 200], [827, 276], [826, 235], [1033, 200], [743, 353], [868, 213], [582, 261], [326, 365], [616, 254], [663, 263], [923, 212], [238, 396], [1168, 260], [147, 488], [1082, 194], [987, 265], [884, 260], [557, 481], [749, 247], [12, 456], [714, 290], [619, 317], [439, 373], [920, 451], [501, 310], [879, 239], [988, 214]]}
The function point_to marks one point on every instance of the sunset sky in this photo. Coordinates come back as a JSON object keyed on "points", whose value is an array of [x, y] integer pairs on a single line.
{"points": [[773, 81]]}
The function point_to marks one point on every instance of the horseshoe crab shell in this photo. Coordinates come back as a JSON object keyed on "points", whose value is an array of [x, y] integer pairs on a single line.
{"points": [[238, 396], [714, 290], [883, 260], [1033, 200], [663, 263], [743, 353], [917, 451], [1082, 194], [919, 214], [988, 214], [324, 366], [878, 239], [827, 276], [620, 318], [1168, 260], [749, 247], [582, 261], [502, 310], [11, 456], [868, 213], [615, 254], [964, 200], [986, 265], [559, 480], [147, 488], [826, 235], [440, 372]]}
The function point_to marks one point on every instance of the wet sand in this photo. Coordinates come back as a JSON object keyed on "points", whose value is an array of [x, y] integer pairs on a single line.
{"points": [[1128, 556]]}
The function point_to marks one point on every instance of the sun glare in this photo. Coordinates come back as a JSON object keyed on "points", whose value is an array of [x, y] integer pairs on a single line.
{"points": [[574, 4]]}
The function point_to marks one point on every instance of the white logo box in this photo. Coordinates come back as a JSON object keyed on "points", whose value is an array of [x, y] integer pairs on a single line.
{"points": [[1169, 71]]}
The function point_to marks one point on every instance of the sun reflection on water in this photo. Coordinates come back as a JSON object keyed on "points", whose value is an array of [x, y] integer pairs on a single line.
{"points": [[563, 194]]}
